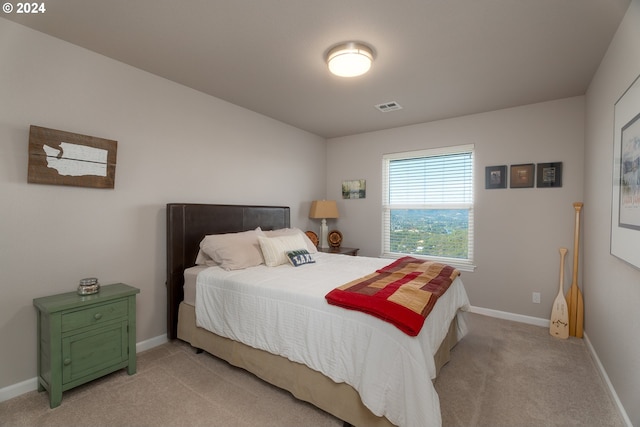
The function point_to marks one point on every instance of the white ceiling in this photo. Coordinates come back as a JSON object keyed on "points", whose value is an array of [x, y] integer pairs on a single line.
{"points": [[436, 58]]}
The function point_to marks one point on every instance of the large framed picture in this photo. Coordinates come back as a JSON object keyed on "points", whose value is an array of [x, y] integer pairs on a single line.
{"points": [[625, 218]]}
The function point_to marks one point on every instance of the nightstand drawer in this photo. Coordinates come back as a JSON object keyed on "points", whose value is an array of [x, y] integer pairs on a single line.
{"points": [[94, 315]]}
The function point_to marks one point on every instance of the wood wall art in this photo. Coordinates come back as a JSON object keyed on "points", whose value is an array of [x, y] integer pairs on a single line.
{"points": [[64, 158]]}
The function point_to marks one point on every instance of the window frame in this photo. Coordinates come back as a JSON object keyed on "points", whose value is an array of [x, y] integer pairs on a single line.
{"points": [[465, 264]]}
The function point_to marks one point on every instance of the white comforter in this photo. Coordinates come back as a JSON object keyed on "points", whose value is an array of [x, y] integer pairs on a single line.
{"points": [[283, 310]]}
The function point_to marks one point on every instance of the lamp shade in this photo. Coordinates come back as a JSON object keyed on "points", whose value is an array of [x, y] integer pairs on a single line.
{"points": [[350, 59], [321, 209]]}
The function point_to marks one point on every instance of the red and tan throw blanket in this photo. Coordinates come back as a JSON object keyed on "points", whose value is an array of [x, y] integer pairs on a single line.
{"points": [[402, 293]]}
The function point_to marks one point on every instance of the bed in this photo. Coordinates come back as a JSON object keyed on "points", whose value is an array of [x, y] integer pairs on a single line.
{"points": [[187, 225]]}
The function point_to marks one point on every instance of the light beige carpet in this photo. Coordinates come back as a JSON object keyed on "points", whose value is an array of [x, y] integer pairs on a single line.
{"points": [[502, 374], [513, 374]]}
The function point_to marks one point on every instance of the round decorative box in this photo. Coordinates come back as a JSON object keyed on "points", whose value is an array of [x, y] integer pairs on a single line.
{"points": [[88, 286], [335, 239]]}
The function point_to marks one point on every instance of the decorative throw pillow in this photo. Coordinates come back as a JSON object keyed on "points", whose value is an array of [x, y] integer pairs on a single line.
{"points": [[274, 249], [300, 257]]}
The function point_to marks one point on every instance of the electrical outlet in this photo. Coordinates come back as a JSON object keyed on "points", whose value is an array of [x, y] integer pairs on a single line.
{"points": [[536, 297]]}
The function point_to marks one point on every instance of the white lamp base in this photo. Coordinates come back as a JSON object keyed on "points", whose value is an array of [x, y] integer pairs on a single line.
{"points": [[324, 233]]}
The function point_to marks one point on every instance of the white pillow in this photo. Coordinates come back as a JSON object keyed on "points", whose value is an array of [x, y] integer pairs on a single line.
{"points": [[204, 259], [234, 251], [274, 249], [291, 232]]}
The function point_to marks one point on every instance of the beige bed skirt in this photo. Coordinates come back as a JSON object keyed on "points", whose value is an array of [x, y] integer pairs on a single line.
{"points": [[338, 399]]}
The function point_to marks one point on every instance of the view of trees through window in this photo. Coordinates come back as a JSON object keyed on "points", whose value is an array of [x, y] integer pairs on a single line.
{"points": [[430, 232]]}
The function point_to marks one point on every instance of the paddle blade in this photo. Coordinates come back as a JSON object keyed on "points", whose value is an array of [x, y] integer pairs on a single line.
{"points": [[559, 324]]}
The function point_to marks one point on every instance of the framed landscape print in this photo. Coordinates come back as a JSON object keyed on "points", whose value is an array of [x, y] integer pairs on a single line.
{"points": [[354, 189], [522, 175], [625, 205]]}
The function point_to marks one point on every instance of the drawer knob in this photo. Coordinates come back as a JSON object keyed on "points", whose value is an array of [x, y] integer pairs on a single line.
{"points": [[97, 316], [67, 362]]}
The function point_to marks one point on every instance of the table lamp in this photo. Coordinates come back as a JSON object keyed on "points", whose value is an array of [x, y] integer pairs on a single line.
{"points": [[323, 209]]}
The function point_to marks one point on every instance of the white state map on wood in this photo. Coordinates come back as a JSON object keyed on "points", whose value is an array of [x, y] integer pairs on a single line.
{"points": [[77, 160]]}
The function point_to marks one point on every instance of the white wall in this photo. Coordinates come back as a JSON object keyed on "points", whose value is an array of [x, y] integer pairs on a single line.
{"points": [[611, 287], [518, 231], [174, 145]]}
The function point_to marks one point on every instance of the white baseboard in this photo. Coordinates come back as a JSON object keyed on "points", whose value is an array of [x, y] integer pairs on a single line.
{"points": [[26, 386], [16, 390], [510, 316], [607, 381], [151, 343]]}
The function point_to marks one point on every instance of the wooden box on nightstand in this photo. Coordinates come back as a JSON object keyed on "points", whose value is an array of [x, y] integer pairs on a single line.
{"points": [[83, 337]]}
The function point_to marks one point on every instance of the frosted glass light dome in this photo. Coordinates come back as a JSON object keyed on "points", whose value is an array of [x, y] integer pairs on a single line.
{"points": [[350, 59]]}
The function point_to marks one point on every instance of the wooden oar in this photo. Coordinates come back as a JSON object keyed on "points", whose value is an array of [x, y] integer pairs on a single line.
{"points": [[580, 307], [574, 296], [559, 324]]}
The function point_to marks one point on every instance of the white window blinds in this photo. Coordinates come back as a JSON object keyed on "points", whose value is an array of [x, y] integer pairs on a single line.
{"points": [[428, 204]]}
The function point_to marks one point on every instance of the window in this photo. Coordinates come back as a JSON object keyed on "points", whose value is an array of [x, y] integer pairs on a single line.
{"points": [[428, 205]]}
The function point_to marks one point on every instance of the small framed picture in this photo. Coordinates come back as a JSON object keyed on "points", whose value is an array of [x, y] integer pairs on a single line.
{"points": [[354, 189], [495, 177], [549, 175], [522, 175]]}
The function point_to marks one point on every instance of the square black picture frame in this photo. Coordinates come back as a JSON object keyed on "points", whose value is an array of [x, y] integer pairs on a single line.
{"points": [[495, 177], [549, 175]]}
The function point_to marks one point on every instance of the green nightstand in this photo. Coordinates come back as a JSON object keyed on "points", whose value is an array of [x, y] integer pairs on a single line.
{"points": [[83, 337]]}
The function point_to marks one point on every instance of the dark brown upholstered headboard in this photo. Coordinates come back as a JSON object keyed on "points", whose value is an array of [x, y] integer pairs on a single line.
{"points": [[188, 223]]}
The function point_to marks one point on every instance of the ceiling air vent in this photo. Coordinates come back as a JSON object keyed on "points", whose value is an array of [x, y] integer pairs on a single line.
{"points": [[389, 106]]}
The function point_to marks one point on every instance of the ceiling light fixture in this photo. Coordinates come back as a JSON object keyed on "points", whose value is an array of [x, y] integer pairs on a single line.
{"points": [[350, 59]]}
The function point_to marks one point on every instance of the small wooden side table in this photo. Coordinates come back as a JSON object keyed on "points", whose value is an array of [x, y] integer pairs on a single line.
{"points": [[84, 337], [340, 250]]}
